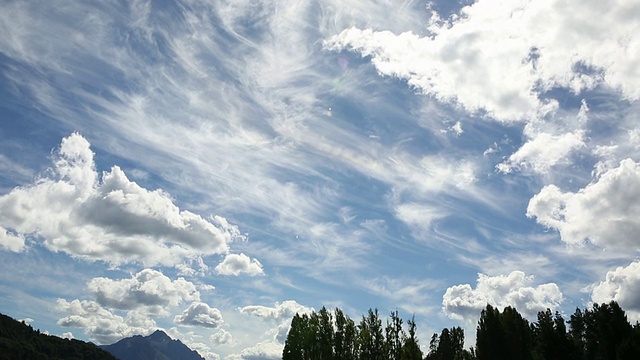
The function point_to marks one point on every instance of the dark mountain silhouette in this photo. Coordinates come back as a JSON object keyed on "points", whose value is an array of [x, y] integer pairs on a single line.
{"points": [[20, 341], [157, 346]]}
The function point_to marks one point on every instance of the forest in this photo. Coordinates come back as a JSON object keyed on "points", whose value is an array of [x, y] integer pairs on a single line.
{"points": [[601, 332], [20, 341]]}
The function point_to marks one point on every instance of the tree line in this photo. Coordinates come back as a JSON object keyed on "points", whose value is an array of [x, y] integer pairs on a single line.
{"points": [[602, 332], [20, 341]]}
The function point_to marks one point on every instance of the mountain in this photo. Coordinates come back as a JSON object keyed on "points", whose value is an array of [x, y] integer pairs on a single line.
{"points": [[20, 341], [157, 346]]}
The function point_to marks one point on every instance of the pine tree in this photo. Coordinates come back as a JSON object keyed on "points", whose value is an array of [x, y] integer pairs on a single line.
{"points": [[295, 342], [395, 336], [411, 348]]}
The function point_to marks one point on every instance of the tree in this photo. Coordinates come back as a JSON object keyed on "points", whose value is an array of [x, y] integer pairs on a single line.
{"points": [[395, 336], [550, 337], [371, 340], [345, 337], [490, 336], [411, 348], [505, 335], [577, 334], [629, 349], [325, 334], [606, 328], [295, 342]]}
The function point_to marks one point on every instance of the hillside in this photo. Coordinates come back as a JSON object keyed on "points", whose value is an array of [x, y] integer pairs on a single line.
{"points": [[20, 341]]}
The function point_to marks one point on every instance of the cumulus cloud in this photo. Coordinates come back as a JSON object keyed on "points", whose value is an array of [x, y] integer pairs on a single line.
{"points": [[543, 152], [281, 311], [622, 285], [606, 212], [99, 323], [127, 307], [148, 289], [265, 350], [236, 264], [11, 242], [511, 48], [200, 314], [222, 337], [108, 217], [463, 302], [280, 314]]}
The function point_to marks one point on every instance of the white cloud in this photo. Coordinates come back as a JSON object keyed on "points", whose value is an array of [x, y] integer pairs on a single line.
{"points": [[623, 286], [497, 56], [457, 128], [113, 220], [98, 323], [264, 350], [68, 335], [410, 295], [543, 152], [280, 314], [418, 215], [605, 212], [222, 337], [194, 341], [462, 302], [236, 264], [148, 289], [200, 314], [11, 242], [281, 311]]}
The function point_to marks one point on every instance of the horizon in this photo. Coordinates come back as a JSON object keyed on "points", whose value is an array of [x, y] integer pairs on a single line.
{"points": [[213, 168]]}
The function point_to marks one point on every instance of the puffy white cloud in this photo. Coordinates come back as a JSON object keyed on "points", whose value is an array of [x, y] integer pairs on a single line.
{"points": [[200, 314], [465, 303], [542, 152], [222, 337], [281, 311], [112, 219], [236, 264], [497, 56], [623, 286], [11, 242], [281, 314], [149, 289], [99, 323], [606, 212], [264, 350], [194, 341]]}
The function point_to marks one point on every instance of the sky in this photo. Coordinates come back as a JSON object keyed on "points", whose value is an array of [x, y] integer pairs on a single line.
{"points": [[212, 167]]}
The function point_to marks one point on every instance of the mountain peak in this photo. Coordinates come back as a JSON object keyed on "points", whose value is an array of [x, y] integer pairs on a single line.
{"points": [[159, 335], [156, 346]]}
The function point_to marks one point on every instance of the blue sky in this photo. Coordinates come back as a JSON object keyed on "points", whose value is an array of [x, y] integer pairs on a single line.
{"points": [[213, 167]]}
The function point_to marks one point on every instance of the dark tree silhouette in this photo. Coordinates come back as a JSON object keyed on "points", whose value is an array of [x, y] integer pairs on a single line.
{"points": [[599, 333]]}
